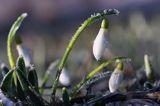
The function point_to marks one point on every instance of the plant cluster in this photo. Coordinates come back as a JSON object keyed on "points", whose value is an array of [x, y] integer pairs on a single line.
{"points": [[19, 85]]}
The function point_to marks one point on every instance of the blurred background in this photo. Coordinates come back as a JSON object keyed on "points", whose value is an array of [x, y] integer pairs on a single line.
{"points": [[51, 23]]}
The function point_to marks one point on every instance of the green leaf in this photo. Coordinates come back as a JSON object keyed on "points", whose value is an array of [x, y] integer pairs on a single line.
{"points": [[21, 65], [65, 97], [35, 98], [7, 84], [22, 85], [33, 79], [28, 90], [22, 79], [11, 36], [19, 91]]}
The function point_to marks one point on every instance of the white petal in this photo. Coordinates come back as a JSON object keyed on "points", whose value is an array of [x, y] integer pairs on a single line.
{"points": [[100, 43], [115, 81], [64, 78], [25, 53]]}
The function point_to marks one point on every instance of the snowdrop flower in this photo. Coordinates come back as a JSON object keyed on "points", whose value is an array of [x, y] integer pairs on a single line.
{"points": [[64, 78], [148, 68], [22, 51], [101, 44], [116, 78]]}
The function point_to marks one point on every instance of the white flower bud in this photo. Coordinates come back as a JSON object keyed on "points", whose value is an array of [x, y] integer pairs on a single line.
{"points": [[116, 78], [101, 41], [25, 53], [148, 68], [64, 78]]}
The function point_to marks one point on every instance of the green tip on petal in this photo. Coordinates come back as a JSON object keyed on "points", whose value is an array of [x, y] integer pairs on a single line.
{"points": [[18, 40], [105, 24], [120, 66], [147, 62], [146, 57]]}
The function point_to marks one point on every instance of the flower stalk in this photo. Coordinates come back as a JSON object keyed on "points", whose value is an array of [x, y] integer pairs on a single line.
{"points": [[116, 78], [86, 23], [101, 42], [11, 36], [94, 72]]}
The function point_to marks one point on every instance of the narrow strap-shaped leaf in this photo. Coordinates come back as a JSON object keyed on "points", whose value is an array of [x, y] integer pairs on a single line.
{"points": [[22, 79], [22, 73], [35, 98], [21, 65], [28, 90], [33, 79], [65, 97], [19, 91], [6, 84]]}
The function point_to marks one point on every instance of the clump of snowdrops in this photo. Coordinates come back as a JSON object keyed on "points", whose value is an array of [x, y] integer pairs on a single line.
{"points": [[19, 84]]}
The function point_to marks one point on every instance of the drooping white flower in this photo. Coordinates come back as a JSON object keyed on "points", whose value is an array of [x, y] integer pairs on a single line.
{"points": [[101, 43], [64, 78], [148, 68], [116, 78], [22, 51]]}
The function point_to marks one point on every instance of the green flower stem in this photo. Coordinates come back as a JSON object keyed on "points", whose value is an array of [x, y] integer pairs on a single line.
{"points": [[94, 72], [47, 74], [11, 36], [86, 23], [44, 81]]}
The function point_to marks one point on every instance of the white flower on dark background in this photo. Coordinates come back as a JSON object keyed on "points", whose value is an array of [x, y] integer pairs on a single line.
{"points": [[116, 78], [64, 78], [25, 52], [101, 43]]}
